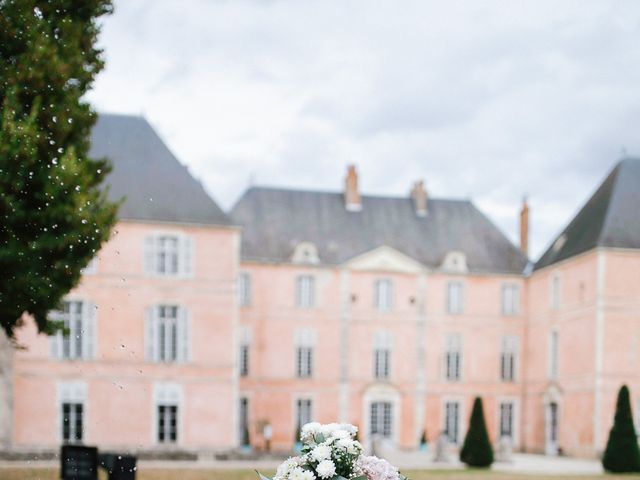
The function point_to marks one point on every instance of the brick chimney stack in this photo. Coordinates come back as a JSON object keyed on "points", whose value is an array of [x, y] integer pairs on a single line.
{"points": [[419, 196], [524, 227], [352, 200]]}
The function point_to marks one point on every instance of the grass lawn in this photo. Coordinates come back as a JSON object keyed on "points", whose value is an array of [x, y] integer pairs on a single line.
{"points": [[186, 474]]}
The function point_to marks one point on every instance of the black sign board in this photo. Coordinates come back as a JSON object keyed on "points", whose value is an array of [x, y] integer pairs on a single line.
{"points": [[78, 463]]}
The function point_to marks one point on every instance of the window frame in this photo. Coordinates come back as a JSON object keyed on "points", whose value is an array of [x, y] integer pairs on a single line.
{"points": [[453, 357], [383, 295], [510, 299], [244, 289], [455, 297], [305, 291]]}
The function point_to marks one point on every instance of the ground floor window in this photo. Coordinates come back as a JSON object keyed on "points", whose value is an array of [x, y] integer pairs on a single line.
{"points": [[452, 421], [244, 421], [506, 420], [72, 422], [167, 423], [381, 419]]}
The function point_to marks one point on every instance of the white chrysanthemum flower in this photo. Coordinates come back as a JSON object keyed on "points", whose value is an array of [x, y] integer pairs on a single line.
{"points": [[321, 452], [355, 448], [328, 429], [309, 430], [285, 468], [340, 434], [326, 469], [297, 474], [308, 475]]}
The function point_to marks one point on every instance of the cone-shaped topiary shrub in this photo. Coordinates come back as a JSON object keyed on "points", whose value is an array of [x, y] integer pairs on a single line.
{"points": [[476, 449], [621, 454]]}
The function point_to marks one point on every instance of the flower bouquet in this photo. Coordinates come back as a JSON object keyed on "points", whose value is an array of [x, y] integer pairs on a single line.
{"points": [[330, 452]]}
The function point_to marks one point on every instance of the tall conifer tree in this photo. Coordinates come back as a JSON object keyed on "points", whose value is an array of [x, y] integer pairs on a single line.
{"points": [[53, 214], [621, 454], [476, 450]]}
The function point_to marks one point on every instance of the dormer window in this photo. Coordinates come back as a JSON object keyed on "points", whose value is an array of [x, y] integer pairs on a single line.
{"points": [[455, 262], [305, 252]]}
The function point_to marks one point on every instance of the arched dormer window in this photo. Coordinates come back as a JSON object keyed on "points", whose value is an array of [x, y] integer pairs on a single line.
{"points": [[305, 252], [455, 262]]}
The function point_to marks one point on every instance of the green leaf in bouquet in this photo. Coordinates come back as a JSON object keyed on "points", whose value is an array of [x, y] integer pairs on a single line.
{"points": [[319, 438], [262, 477], [362, 477]]}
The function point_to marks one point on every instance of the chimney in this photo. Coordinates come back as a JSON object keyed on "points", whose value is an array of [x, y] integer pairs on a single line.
{"points": [[524, 227], [351, 194], [419, 196]]}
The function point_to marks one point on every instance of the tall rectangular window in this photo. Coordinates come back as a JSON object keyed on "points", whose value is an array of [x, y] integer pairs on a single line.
{"points": [[506, 420], [72, 398], [304, 362], [244, 421], [72, 422], [168, 334], [244, 289], [381, 355], [305, 291], [167, 403], [555, 292], [453, 357], [381, 419], [452, 421], [553, 355], [455, 297], [244, 360], [383, 297], [168, 255], [508, 358], [303, 412], [77, 341], [510, 299]]}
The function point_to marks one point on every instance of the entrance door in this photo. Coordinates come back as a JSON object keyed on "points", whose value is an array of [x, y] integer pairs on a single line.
{"points": [[381, 419], [551, 429]]}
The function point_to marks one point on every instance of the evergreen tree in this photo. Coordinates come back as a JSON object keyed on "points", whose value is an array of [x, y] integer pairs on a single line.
{"points": [[53, 214], [621, 454], [476, 449]]}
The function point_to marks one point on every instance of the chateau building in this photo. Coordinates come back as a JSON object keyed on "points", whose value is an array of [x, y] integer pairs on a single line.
{"points": [[193, 328]]}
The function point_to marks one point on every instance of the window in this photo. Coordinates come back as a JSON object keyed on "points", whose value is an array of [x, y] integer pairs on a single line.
{"points": [[303, 412], [553, 355], [381, 355], [244, 289], [77, 341], [168, 255], [72, 398], [510, 299], [305, 291], [167, 399], [245, 340], [381, 419], [455, 297], [168, 334], [304, 341], [244, 421], [555, 292], [508, 358], [506, 420], [452, 421], [383, 297], [304, 362], [453, 357]]}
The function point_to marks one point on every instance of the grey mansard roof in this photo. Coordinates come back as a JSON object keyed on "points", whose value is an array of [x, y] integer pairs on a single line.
{"points": [[611, 217], [157, 187], [274, 221]]}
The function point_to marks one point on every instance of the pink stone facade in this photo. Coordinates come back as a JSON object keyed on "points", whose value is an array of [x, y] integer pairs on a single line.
{"points": [[180, 341]]}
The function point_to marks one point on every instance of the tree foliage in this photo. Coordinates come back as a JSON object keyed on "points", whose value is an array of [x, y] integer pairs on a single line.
{"points": [[621, 454], [53, 214], [476, 450]]}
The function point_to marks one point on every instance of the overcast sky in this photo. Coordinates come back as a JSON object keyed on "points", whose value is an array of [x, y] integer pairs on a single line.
{"points": [[488, 100]]}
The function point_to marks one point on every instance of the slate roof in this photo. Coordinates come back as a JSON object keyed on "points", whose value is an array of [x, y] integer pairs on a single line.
{"points": [[275, 220], [157, 187], [610, 218]]}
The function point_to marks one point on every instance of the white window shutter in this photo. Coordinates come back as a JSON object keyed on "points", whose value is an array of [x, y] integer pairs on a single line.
{"points": [[184, 335], [89, 325], [150, 255], [150, 334], [186, 255], [56, 345]]}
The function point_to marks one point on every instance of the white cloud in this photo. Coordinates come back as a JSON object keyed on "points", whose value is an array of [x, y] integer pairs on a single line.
{"points": [[489, 100]]}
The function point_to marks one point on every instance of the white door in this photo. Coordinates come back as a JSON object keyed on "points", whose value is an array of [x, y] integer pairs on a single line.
{"points": [[551, 428]]}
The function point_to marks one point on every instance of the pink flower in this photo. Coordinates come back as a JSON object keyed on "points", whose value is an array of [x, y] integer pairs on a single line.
{"points": [[377, 469]]}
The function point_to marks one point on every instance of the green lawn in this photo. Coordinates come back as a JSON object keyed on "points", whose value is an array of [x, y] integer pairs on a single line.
{"points": [[187, 474]]}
